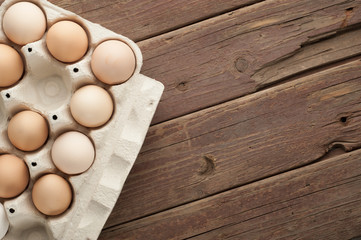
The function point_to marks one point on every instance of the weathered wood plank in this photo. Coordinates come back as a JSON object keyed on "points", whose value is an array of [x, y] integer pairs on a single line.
{"points": [[320, 201], [141, 19], [321, 53], [232, 55], [339, 47], [244, 140]]}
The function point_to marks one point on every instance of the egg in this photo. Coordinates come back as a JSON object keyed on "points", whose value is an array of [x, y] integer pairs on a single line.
{"points": [[14, 176], [73, 152], [24, 22], [91, 106], [28, 130], [4, 222], [113, 62], [67, 41], [11, 66], [52, 194]]}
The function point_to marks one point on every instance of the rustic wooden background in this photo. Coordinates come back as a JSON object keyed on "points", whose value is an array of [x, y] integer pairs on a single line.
{"points": [[258, 132]]}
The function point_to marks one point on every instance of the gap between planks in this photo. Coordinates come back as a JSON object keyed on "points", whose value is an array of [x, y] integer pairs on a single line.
{"points": [[304, 182], [306, 48], [318, 102], [142, 19], [336, 151], [229, 52], [204, 18], [306, 71]]}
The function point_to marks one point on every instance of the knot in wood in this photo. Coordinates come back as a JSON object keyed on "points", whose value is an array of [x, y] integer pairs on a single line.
{"points": [[209, 167], [241, 65], [182, 86]]}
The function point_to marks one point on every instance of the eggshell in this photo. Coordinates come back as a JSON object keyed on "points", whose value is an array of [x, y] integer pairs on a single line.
{"points": [[73, 152], [28, 130], [113, 62], [67, 41], [52, 194], [91, 106], [4, 222], [14, 176], [24, 22], [11, 66]]}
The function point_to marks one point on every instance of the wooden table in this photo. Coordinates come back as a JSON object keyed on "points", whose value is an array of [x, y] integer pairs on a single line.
{"points": [[258, 132]]}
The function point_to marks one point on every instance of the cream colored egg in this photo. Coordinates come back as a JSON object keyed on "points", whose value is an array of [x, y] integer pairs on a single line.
{"points": [[91, 106], [11, 66], [73, 152], [52, 194], [113, 62], [14, 176], [28, 130], [67, 41], [24, 22]]}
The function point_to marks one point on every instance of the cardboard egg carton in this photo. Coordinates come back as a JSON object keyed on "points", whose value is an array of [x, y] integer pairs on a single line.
{"points": [[46, 88]]}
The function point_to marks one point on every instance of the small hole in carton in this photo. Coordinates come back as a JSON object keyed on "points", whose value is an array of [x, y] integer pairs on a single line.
{"points": [[7, 95], [55, 117], [34, 164], [11, 210], [76, 70], [30, 49]]}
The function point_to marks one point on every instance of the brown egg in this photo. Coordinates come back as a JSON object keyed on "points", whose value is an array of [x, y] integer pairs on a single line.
{"points": [[52, 195], [28, 130], [67, 41], [14, 176], [11, 66], [113, 62]]}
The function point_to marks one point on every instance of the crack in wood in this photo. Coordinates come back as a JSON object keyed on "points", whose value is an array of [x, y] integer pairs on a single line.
{"points": [[345, 145], [180, 151], [308, 57], [348, 15]]}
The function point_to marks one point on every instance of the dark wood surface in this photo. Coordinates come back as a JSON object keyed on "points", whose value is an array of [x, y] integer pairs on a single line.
{"points": [[255, 137], [319, 201], [257, 133]]}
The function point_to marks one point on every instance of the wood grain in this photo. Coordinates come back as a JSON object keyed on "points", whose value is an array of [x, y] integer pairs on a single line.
{"points": [[334, 49], [141, 19], [219, 154], [233, 53], [320, 201], [244, 140], [227, 56]]}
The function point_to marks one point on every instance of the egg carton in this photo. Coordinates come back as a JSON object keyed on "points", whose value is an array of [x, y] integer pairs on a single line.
{"points": [[46, 88]]}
